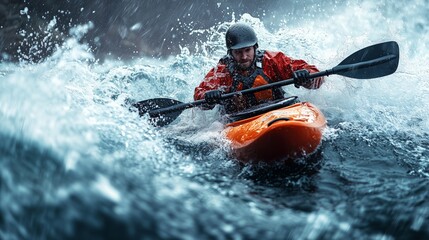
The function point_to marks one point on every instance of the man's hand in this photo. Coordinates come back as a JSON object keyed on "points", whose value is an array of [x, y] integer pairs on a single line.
{"points": [[300, 78], [213, 96]]}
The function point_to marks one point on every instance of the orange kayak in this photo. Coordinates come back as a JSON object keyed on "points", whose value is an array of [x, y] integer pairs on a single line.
{"points": [[282, 134]]}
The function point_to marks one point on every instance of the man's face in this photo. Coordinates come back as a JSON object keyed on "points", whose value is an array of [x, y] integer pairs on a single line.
{"points": [[244, 56]]}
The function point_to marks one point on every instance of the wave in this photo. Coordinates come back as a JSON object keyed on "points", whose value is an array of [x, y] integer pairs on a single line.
{"points": [[75, 162]]}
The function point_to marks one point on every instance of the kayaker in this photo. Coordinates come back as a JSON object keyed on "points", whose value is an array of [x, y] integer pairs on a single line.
{"points": [[245, 66]]}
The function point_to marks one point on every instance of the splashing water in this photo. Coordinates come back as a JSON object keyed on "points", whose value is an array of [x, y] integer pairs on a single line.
{"points": [[76, 163]]}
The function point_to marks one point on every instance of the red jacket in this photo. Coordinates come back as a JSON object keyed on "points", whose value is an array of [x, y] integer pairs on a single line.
{"points": [[276, 65]]}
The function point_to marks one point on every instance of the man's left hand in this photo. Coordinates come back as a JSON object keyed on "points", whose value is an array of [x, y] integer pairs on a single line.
{"points": [[300, 78]]}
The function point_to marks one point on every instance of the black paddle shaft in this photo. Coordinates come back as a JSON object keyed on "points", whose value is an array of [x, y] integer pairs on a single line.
{"points": [[371, 62]]}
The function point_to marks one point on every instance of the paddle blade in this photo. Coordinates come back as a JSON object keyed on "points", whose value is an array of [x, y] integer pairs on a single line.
{"points": [[371, 62], [162, 119]]}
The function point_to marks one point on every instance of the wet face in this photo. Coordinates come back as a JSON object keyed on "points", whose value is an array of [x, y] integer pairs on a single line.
{"points": [[244, 56]]}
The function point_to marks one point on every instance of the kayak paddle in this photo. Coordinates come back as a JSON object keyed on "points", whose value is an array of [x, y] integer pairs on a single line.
{"points": [[371, 62]]}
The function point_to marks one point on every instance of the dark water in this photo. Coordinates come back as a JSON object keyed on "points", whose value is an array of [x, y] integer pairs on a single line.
{"points": [[76, 164]]}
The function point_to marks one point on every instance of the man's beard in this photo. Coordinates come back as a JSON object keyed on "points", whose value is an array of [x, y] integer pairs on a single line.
{"points": [[244, 68]]}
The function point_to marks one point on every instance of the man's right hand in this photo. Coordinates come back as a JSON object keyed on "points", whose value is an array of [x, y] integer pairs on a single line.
{"points": [[213, 96]]}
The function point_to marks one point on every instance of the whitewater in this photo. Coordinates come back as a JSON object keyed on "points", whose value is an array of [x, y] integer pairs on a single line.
{"points": [[76, 163]]}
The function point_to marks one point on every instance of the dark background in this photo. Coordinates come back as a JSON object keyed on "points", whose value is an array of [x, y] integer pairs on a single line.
{"points": [[127, 29], [124, 29]]}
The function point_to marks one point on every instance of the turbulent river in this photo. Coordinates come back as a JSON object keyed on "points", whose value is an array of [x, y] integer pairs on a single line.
{"points": [[75, 163]]}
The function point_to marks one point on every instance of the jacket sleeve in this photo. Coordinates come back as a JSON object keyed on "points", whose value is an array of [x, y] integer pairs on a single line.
{"points": [[216, 78], [284, 66]]}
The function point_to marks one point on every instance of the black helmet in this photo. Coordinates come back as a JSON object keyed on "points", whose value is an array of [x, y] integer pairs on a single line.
{"points": [[240, 35]]}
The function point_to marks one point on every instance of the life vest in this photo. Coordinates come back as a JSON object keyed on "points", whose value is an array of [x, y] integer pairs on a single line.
{"points": [[257, 78]]}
